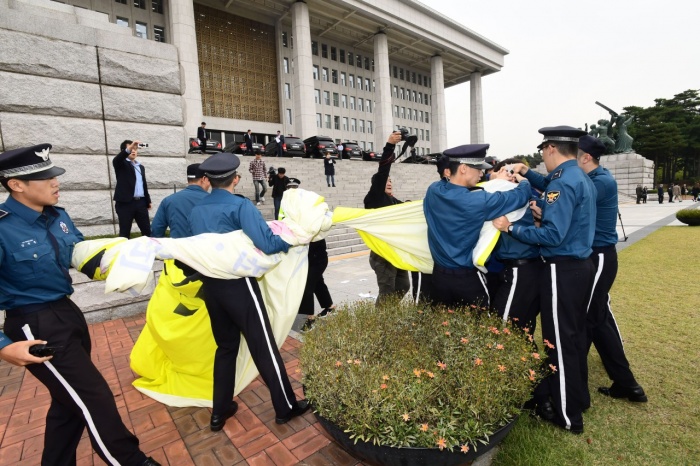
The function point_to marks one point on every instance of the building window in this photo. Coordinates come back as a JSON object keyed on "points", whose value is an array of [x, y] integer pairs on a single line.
{"points": [[414, 96], [401, 74], [352, 80], [420, 115], [396, 111], [408, 114], [352, 103], [287, 91], [334, 76], [367, 87], [369, 106], [426, 101], [122, 22], [420, 79], [324, 74], [370, 145], [315, 68], [284, 39], [326, 97], [413, 77], [360, 104], [358, 60], [367, 63], [359, 83], [427, 135], [373, 64], [140, 4], [427, 119], [345, 123], [317, 96], [351, 59], [324, 51], [422, 135], [156, 6], [334, 54], [344, 101], [289, 116], [369, 126], [336, 99], [123, 2], [159, 33], [415, 114], [401, 93], [318, 120], [336, 122], [353, 125], [141, 30], [396, 72], [362, 126], [314, 48], [342, 78], [402, 114], [342, 56], [328, 121], [285, 64], [396, 91]]}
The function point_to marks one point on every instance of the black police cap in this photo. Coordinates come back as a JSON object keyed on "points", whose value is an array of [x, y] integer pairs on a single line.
{"points": [[29, 163], [293, 183], [221, 165], [469, 154], [591, 145], [560, 134], [193, 171]]}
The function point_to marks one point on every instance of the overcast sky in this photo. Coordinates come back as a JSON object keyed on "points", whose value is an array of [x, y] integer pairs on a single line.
{"points": [[566, 55]]}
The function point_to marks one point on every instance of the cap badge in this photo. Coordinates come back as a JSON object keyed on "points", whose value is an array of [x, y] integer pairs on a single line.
{"points": [[552, 197], [44, 154], [64, 227]]}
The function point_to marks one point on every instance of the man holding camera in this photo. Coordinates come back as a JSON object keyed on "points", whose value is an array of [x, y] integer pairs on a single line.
{"points": [[36, 245], [131, 198]]}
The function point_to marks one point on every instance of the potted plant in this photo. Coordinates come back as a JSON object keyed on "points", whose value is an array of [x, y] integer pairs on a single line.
{"points": [[404, 380]]}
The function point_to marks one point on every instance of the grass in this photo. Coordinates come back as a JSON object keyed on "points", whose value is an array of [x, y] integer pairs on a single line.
{"points": [[656, 301]]}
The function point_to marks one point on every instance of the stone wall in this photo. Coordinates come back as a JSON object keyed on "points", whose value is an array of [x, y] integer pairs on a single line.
{"points": [[71, 78]]}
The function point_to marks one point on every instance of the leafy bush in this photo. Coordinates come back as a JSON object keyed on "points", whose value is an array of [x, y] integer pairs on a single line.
{"points": [[409, 376], [689, 216]]}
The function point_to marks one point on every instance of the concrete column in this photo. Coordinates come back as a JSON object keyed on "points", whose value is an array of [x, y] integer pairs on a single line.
{"points": [[184, 38], [384, 123], [476, 109], [303, 83], [438, 122]]}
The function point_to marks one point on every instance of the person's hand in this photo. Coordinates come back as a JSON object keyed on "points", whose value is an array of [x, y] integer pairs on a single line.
{"points": [[149, 206], [519, 168], [536, 212], [501, 223], [134, 146], [17, 353], [394, 138], [502, 174]]}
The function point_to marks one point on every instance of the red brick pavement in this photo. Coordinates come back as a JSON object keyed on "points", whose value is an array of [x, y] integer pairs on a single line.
{"points": [[173, 436]]}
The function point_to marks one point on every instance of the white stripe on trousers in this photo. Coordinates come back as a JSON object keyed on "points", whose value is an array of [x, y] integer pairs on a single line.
{"points": [[73, 394], [622, 343], [511, 293], [267, 340], [420, 279], [482, 279], [555, 316], [601, 262]]}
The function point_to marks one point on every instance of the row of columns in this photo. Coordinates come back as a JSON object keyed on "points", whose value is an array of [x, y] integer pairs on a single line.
{"points": [[184, 38]]}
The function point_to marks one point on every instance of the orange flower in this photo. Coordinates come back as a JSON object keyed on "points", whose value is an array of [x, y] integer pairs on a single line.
{"points": [[478, 362], [526, 329], [405, 417], [450, 311], [523, 359], [420, 312], [383, 386], [465, 448], [417, 372], [536, 355], [499, 346], [442, 365], [529, 337], [441, 443], [506, 331], [385, 377], [464, 340], [349, 361], [431, 375], [445, 323], [424, 427], [447, 333], [501, 368], [548, 344], [338, 364], [515, 319], [553, 367], [532, 375], [357, 362]]}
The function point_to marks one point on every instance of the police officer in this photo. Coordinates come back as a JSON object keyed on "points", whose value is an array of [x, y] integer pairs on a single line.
{"points": [[36, 245], [455, 215], [236, 306], [174, 209], [601, 327], [565, 238], [517, 295]]}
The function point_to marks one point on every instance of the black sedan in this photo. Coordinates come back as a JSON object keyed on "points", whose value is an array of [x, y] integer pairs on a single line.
{"points": [[213, 146], [240, 148]]}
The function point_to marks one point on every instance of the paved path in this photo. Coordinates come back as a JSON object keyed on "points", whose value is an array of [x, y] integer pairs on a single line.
{"points": [[181, 436]]}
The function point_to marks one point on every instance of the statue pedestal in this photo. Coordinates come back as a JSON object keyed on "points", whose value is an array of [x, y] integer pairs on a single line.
{"points": [[629, 170]]}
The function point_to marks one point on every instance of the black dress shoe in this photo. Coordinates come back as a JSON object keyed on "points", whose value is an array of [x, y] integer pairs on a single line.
{"points": [[218, 420], [301, 407], [545, 410], [635, 394], [150, 462]]}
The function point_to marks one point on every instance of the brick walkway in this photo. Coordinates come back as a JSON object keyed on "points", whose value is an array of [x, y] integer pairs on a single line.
{"points": [[173, 436]]}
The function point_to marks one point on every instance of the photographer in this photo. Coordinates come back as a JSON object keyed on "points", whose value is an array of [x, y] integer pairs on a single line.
{"points": [[278, 181], [389, 279], [131, 198]]}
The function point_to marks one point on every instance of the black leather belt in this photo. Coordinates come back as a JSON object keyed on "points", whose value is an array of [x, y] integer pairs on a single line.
{"points": [[518, 262], [31, 308], [557, 259]]}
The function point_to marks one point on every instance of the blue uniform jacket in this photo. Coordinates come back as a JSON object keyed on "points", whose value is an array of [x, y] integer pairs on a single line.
{"points": [[223, 212], [455, 216], [509, 248], [174, 210], [29, 270], [606, 206], [568, 214]]}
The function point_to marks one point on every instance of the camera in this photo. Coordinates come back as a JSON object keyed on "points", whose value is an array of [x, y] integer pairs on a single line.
{"points": [[272, 171], [410, 140], [142, 144]]}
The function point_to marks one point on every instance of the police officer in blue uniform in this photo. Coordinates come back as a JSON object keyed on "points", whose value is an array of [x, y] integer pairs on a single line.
{"points": [[565, 238], [175, 209], [601, 326], [455, 214], [236, 306], [36, 245], [517, 295]]}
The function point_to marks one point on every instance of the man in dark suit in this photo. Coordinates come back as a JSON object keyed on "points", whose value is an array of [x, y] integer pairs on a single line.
{"points": [[280, 144], [202, 136], [249, 144], [131, 198]]}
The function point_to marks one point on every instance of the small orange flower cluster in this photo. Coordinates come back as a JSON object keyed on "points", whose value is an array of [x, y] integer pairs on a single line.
{"points": [[553, 367], [501, 368], [405, 417], [499, 346], [441, 443], [506, 331], [478, 362], [445, 323], [548, 344], [494, 330], [536, 355], [532, 375], [464, 340], [442, 365]]}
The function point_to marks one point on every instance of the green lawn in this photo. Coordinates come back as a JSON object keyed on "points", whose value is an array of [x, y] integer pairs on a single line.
{"points": [[656, 301]]}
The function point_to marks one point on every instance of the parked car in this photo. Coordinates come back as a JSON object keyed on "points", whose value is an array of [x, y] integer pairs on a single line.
{"points": [[292, 147], [240, 148], [213, 146], [371, 156], [319, 146], [350, 150]]}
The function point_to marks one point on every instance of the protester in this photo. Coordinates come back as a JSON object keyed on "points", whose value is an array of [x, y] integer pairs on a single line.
{"points": [[278, 181], [329, 170], [174, 209], [131, 198]]}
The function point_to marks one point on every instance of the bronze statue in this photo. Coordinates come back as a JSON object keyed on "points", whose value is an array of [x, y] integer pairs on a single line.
{"points": [[603, 127], [624, 140]]}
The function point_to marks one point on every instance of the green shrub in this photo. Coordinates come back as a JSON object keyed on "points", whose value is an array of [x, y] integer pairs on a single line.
{"points": [[689, 216], [409, 376]]}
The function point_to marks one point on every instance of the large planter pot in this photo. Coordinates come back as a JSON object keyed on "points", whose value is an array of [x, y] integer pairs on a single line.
{"points": [[394, 456]]}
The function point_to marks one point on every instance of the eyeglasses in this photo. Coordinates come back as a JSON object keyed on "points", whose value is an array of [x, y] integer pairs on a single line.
{"points": [[539, 151]]}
